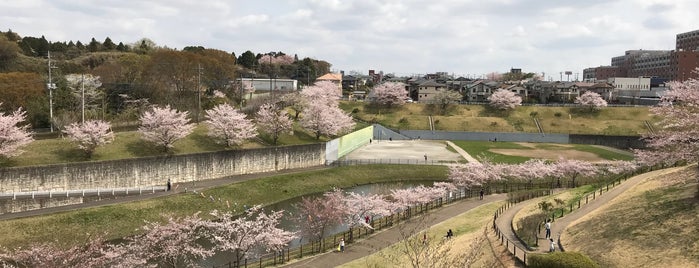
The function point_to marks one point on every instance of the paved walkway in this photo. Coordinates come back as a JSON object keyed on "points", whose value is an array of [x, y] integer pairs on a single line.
{"points": [[463, 153], [504, 222], [391, 236]]}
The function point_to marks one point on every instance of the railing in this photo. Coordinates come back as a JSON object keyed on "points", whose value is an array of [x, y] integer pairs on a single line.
{"points": [[331, 242], [503, 239], [354, 162], [83, 192]]}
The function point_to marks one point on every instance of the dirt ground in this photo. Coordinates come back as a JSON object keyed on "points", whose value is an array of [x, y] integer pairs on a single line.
{"points": [[550, 154], [405, 149]]}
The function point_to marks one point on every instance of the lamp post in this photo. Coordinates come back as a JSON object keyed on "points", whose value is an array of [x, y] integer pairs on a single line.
{"points": [[199, 69]]}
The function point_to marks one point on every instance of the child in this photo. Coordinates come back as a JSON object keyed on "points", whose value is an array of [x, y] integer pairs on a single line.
{"points": [[342, 245], [552, 248]]}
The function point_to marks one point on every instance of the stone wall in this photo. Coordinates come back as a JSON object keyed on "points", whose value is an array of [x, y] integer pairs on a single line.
{"points": [[153, 171]]}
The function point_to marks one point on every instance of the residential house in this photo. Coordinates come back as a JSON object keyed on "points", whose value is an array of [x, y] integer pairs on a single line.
{"points": [[335, 78], [480, 90], [426, 90]]}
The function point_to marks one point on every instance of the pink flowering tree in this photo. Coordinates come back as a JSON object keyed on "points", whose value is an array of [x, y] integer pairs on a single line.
{"points": [[618, 167], [504, 100], [175, 243], [90, 135], [229, 126], [591, 101], [473, 174], [416, 195], [276, 59], [164, 126], [321, 119], [243, 234], [315, 215], [390, 94], [676, 133], [322, 92], [357, 207], [573, 169], [13, 134], [273, 120]]}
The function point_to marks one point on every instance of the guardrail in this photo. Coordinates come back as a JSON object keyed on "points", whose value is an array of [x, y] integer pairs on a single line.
{"points": [[506, 241], [83, 192]]}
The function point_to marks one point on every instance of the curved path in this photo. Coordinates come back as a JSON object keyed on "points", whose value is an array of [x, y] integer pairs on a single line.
{"points": [[391, 236], [504, 222]]}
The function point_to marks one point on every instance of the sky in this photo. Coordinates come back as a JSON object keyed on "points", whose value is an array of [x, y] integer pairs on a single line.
{"points": [[404, 37]]}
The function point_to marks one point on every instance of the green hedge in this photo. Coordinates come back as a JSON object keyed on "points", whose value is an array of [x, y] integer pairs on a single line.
{"points": [[561, 260]]}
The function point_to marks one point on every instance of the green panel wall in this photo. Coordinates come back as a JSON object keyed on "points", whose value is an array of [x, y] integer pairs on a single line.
{"points": [[354, 140]]}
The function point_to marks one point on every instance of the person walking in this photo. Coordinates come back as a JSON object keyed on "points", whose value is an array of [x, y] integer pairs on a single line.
{"points": [[548, 228], [342, 245], [169, 185], [425, 157], [450, 234], [481, 193]]}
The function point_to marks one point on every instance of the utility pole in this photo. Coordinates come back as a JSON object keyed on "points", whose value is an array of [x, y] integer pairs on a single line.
{"points": [[199, 69], [82, 97], [51, 86]]}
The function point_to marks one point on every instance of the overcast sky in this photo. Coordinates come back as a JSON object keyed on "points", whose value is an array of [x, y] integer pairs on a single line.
{"points": [[463, 37]]}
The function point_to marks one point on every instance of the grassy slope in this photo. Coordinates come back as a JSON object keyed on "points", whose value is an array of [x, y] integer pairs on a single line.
{"points": [[652, 225], [465, 227], [123, 219], [609, 121]]}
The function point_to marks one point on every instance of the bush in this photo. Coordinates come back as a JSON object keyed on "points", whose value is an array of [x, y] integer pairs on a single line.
{"points": [[561, 260], [528, 229], [404, 120], [534, 114], [558, 114], [355, 110]]}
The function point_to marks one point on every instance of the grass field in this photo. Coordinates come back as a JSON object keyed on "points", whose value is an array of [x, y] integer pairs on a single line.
{"points": [[608, 121], [519, 152], [75, 227], [653, 224]]}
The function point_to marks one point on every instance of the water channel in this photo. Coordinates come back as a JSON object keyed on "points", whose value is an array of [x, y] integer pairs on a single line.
{"points": [[289, 208]]}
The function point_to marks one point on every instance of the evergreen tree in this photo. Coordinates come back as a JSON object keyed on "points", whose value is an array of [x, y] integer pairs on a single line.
{"points": [[108, 44], [247, 59], [94, 45], [121, 47]]}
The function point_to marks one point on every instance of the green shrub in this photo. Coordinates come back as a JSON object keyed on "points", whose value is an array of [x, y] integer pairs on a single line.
{"points": [[528, 228], [403, 120], [355, 110], [534, 114], [560, 260], [558, 114]]}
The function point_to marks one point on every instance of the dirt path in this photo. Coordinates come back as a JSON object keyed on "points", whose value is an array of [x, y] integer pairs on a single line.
{"points": [[463, 153], [391, 236]]}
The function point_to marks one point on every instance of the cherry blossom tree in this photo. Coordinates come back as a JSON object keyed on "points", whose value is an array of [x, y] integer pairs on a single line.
{"points": [[229, 126], [676, 134], [276, 59], [90, 135], [164, 126], [321, 119], [591, 101], [173, 244], [86, 87], [417, 195], [273, 120], [317, 214], [573, 169], [473, 174], [242, 234], [322, 92], [389, 94], [13, 135], [358, 206], [504, 100], [445, 98]]}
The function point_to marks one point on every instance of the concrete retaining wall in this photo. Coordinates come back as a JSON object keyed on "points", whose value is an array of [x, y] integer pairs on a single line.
{"points": [[153, 171]]}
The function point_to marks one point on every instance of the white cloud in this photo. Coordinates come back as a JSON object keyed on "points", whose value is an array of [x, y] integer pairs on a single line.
{"points": [[405, 37]]}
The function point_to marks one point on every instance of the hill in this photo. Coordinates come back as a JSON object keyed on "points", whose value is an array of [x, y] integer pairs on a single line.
{"points": [[609, 121]]}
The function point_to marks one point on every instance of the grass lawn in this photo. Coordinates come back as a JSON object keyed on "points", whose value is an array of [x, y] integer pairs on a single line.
{"points": [[466, 227], [540, 150], [75, 227]]}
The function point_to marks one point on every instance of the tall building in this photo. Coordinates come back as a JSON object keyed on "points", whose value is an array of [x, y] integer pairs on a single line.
{"points": [[688, 41], [676, 64]]}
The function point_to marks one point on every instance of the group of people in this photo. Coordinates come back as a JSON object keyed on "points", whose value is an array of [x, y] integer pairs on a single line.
{"points": [[552, 244]]}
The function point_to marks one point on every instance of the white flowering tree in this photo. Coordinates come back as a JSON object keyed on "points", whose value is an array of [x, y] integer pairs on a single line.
{"points": [[591, 101], [164, 126], [90, 135], [13, 135], [504, 100], [229, 126], [273, 120]]}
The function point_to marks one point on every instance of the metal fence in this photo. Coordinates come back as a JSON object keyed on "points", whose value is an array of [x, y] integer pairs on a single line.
{"points": [[84, 192]]}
